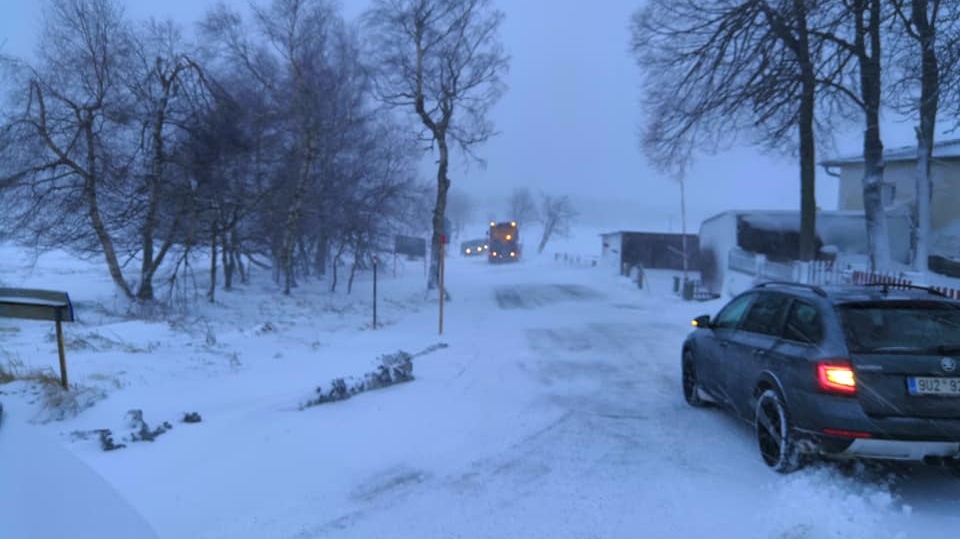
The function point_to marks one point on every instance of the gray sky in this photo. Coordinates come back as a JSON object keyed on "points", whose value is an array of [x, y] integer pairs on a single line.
{"points": [[568, 122]]}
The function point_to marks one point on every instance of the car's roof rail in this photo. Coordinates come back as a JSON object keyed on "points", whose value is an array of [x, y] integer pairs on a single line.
{"points": [[819, 291], [907, 286]]}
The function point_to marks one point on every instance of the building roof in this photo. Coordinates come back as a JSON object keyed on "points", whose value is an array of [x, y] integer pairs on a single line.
{"points": [[947, 149], [646, 233]]}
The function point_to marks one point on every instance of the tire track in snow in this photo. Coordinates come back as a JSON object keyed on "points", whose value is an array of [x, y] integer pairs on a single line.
{"points": [[626, 457], [854, 505]]}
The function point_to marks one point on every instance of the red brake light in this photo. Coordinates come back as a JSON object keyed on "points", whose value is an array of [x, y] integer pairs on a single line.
{"points": [[847, 433], [836, 378]]}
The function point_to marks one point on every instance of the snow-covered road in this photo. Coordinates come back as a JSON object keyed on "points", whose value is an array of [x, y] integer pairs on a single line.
{"points": [[555, 411], [622, 455]]}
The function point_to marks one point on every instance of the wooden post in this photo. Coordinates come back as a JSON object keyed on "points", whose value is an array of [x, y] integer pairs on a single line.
{"points": [[374, 292], [62, 353], [48, 305]]}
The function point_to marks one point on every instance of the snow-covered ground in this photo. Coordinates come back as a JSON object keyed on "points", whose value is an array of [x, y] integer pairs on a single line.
{"points": [[550, 406]]}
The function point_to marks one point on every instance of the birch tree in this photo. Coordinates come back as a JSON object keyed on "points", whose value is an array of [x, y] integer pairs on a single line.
{"points": [[164, 86], [860, 42], [70, 127], [927, 61], [443, 61], [557, 215], [289, 66], [867, 44]]}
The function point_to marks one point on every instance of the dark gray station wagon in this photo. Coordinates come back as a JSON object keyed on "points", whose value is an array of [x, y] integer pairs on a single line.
{"points": [[849, 371]]}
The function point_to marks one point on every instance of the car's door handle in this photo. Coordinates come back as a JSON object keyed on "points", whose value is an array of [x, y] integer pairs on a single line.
{"points": [[759, 352], [723, 344]]}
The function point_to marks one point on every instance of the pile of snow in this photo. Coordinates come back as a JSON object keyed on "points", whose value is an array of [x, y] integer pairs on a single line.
{"points": [[46, 492]]}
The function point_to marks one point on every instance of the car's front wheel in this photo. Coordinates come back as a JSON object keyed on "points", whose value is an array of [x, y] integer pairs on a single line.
{"points": [[774, 434], [691, 382]]}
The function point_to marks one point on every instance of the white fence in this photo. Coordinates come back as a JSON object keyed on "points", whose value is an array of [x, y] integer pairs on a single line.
{"points": [[815, 272]]}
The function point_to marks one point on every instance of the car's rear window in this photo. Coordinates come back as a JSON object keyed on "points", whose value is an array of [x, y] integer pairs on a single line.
{"points": [[921, 327]]}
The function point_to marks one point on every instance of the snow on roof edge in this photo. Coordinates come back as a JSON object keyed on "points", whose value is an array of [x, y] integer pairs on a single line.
{"points": [[947, 149]]}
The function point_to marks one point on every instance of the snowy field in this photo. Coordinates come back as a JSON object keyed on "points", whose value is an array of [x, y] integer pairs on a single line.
{"points": [[549, 407]]}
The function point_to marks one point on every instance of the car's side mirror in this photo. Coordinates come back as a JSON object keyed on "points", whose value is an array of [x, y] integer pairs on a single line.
{"points": [[702, 321]]}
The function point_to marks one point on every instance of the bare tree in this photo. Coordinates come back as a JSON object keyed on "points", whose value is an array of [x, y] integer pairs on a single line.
{"points": [[290, 65], [102, 106], [72, 174], [865, 20], [164, 86], [735, 66], [443, 61], [522, 207], [557, 214], [223, 152], [927, 58]]}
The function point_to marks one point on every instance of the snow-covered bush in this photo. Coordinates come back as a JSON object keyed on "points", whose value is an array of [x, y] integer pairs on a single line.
{"points": [[392, 369], [140, 431]]}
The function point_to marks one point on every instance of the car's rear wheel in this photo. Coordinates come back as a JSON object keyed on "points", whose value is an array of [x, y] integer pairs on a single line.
{"points": [[774, 434], [691, 383]]}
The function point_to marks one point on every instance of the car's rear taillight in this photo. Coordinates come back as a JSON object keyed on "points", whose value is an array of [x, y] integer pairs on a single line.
{"points": [[847, 433], [836, 377]]}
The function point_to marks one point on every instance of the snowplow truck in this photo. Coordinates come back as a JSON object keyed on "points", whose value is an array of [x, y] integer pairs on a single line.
{"points": [[504, 242]]}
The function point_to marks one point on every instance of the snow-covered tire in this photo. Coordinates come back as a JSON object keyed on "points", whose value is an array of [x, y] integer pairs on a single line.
{"points": [[691, 383], [778, 449]]}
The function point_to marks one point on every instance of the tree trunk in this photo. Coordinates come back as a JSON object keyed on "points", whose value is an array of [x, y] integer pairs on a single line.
{"points": [[353, 273], [227, 259], [548, 227], [808, 164], [211, 292], [93, 209], [929, 104], [922, 211], [336, 264], [878, 237], [443, 185], [292, 224], [320, 255], [145, 292]]}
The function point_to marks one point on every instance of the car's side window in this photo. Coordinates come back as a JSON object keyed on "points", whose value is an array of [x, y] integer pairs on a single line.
{"points": [[766, 314], [803, 323], [729, 317]]}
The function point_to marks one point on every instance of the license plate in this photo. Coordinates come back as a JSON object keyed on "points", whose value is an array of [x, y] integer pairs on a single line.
{"points": [[919, 385]]}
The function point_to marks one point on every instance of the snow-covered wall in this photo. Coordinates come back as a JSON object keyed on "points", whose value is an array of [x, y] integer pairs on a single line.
{"points": [[843, 231]]}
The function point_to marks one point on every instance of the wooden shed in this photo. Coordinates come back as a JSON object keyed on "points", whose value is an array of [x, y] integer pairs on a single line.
{"points": [[652, 250]]}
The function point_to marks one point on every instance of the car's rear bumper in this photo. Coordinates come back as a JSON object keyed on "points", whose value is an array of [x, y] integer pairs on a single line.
{"points": [[838, 426], [877, 448], [901, 449]]}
